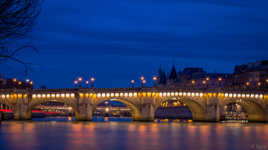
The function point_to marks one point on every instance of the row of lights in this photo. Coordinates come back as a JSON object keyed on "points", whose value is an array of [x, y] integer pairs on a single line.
{"points": [[169, 94], [132, 94], [13, 96], [80, 81], [58, 95], [28, 81], [259, 83], [143, 80], [206, 80], [235, 95], [220, 80]]}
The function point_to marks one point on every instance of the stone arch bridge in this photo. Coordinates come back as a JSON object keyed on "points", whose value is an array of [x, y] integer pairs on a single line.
{"points": [[205, 105]]}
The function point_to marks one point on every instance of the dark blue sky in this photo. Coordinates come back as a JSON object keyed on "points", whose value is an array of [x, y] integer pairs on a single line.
{"points": [[120, 40]]}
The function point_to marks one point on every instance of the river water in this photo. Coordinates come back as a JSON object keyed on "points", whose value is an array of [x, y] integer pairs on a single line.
{"points": [[59, 134]]}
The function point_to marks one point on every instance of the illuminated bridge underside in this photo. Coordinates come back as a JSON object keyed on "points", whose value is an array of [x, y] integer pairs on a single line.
{"points": [[143, 102]]}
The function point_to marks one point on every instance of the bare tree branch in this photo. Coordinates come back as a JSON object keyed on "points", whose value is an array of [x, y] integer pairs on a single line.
{"points": [[17, 18]]}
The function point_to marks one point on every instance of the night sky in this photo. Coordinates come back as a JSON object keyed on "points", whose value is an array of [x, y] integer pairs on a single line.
{"points": [[119, 40]]}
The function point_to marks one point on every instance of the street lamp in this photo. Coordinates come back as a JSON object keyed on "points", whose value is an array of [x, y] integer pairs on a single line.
{"points": [[204, 82], [193, 83], [75, 83], [207, 78], [259, 84], [87, 83], [220, 79], [247, 84], [14, 79], [92, 79], [132, 83], [27, 80], [155, 80], [143, 82], [80, 79]]}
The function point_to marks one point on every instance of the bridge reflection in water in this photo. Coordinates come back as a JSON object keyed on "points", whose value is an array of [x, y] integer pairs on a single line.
{"points": [[131, 136]]}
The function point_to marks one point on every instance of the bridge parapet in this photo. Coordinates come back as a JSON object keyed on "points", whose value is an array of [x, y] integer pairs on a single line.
{"points": [[125, 92]]}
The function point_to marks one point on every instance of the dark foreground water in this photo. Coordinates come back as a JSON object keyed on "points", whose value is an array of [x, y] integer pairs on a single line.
{"points": [[59, 134]]}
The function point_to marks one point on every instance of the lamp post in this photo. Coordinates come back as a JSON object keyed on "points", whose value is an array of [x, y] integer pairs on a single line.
{"points": [[92, 79], [75, 83], [259, 85], [155, 80], [132, 83], [247, 84], [87, 83], [31, 83], [204, 82], [220, 81], [193, 83], [142, 80], [14, 79], [27, 80], [80, 79]]}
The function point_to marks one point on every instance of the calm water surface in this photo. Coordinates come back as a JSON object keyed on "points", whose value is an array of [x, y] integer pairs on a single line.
{"points": [[61, 134]]}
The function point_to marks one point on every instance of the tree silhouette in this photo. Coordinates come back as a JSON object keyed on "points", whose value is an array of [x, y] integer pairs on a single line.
{"points": [[17, 18]]}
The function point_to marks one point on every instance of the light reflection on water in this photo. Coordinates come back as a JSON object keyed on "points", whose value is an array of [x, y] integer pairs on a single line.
{"points": [[58, 133]]}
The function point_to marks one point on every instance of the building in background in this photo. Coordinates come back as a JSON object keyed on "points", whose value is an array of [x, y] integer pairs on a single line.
{"points": [[14, 83], [251, 75], [247, 76]]}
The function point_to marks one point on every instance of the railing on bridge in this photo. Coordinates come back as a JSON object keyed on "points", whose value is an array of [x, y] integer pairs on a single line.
{"points": [[129, 92]]}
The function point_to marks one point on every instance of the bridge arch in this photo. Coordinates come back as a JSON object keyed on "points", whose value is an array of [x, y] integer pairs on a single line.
{"points": [[4, 104], [198, 111], [135, 112], [255, 111], [35, 103]]}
